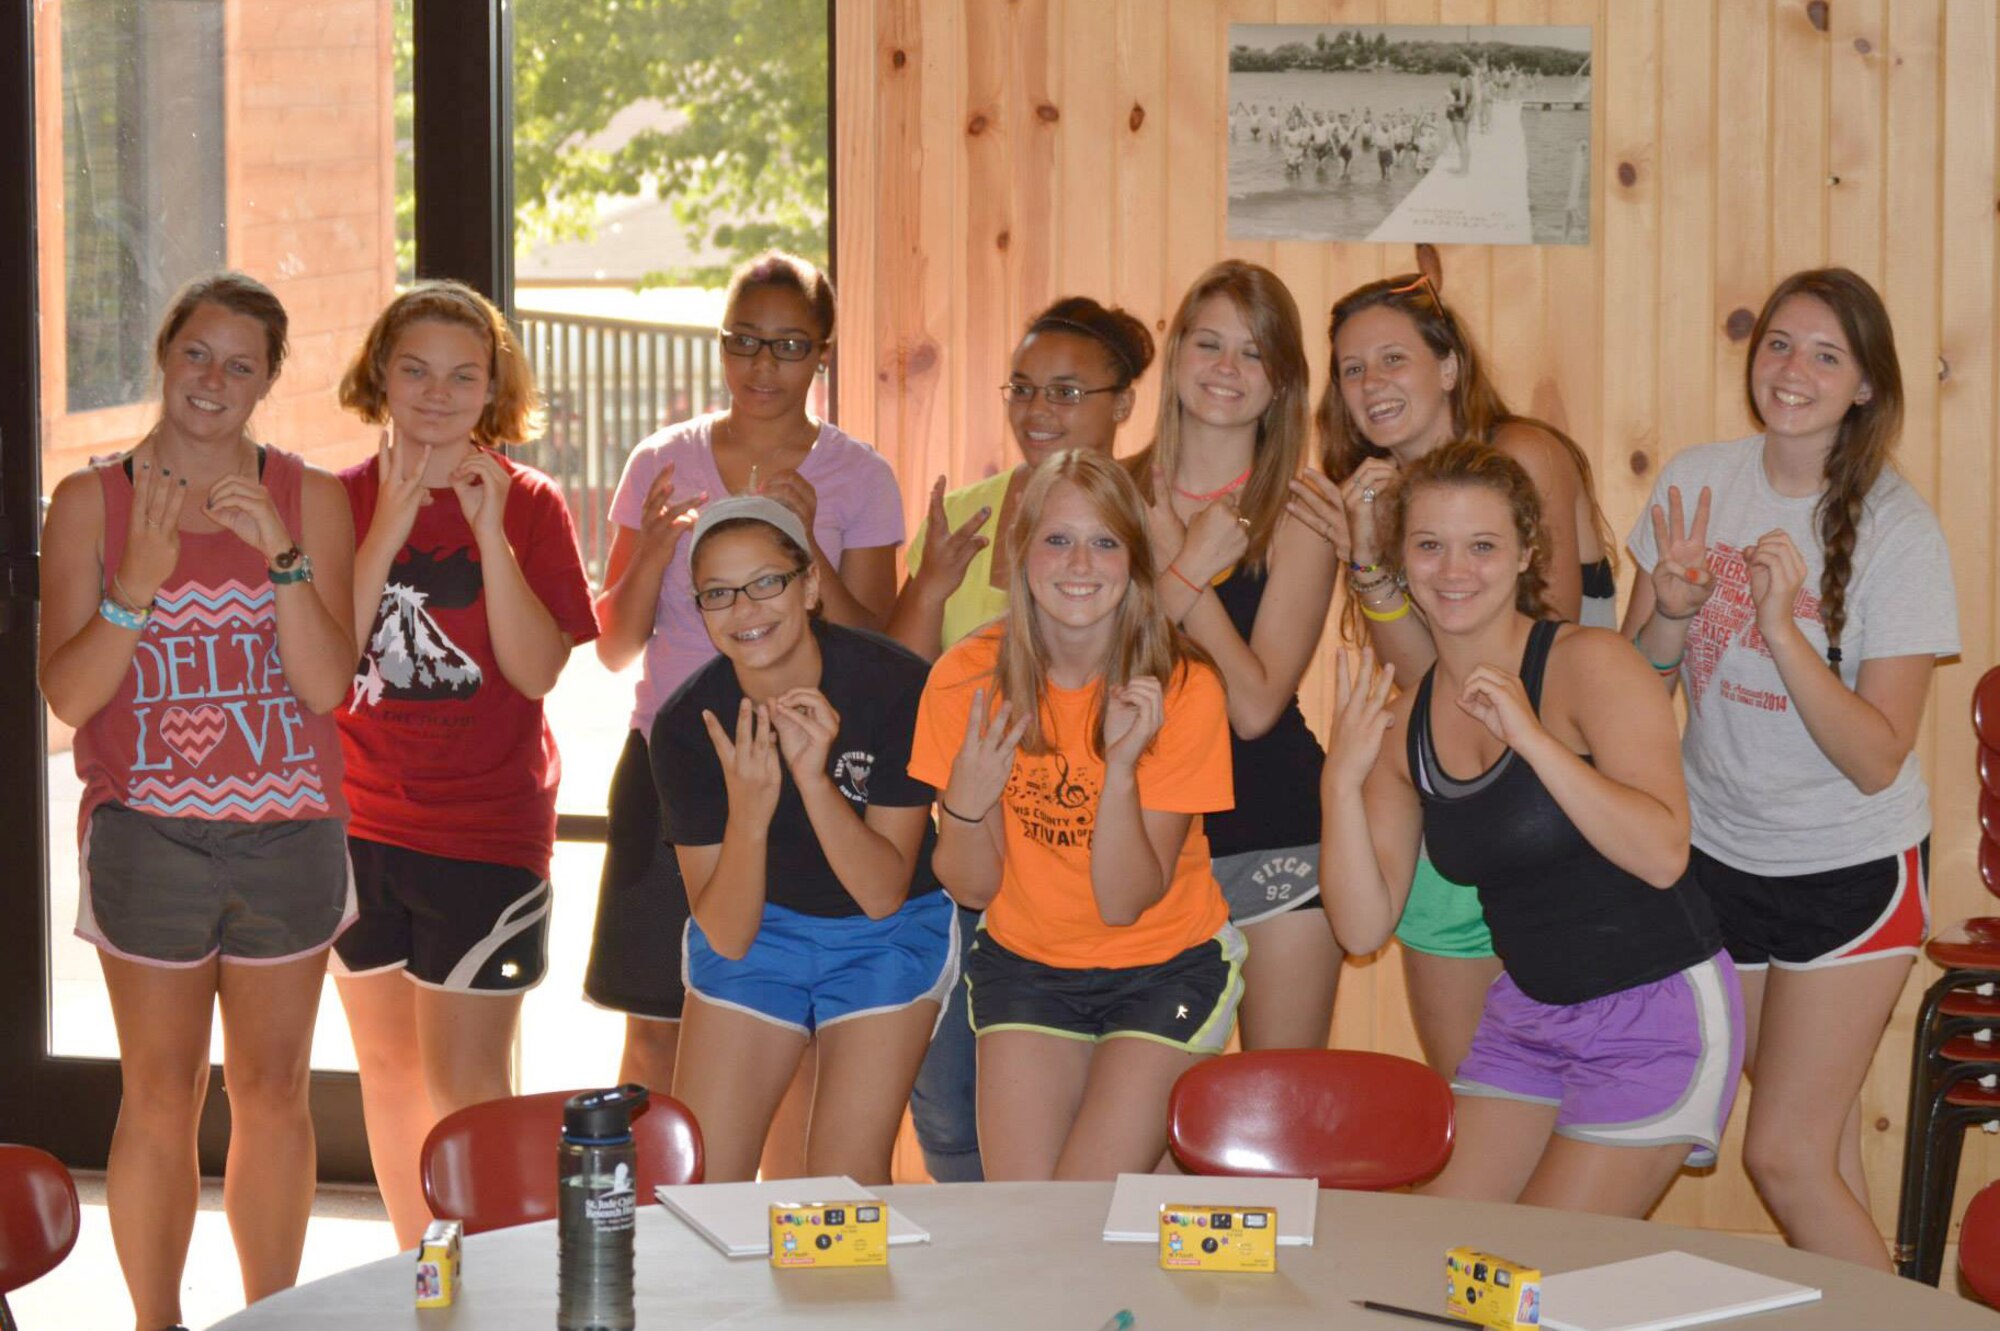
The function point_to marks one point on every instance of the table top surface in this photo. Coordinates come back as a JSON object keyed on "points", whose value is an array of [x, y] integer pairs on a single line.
{"points": [[1031, 1255]]}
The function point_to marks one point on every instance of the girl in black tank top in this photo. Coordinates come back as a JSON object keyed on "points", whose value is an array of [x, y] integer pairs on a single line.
{"points": [[1558, 792], [1252, 588]]}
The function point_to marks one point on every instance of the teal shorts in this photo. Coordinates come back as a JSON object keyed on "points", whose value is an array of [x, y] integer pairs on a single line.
{"points": [[1443, 918]]}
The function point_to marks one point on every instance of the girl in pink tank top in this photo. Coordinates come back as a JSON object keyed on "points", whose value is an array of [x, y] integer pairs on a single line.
{"points": [[195, 630]]}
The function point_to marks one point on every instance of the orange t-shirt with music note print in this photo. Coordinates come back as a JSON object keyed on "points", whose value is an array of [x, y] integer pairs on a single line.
{"points": [[1045, 909]]}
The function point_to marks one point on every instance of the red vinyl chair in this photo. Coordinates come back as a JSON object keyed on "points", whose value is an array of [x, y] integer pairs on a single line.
{"points": [[1347, 1117], [493, 1165], [1979, 1244], [38, 1219]]}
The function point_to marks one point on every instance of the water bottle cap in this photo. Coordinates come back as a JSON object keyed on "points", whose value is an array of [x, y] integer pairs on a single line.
{"points": [[603, 1115]]}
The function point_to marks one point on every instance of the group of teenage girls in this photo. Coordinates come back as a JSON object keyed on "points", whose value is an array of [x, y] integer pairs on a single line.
{"points": [[1022, 841]]}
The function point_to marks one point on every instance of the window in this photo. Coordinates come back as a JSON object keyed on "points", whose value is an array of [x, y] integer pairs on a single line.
{"points": [[143, 179]]}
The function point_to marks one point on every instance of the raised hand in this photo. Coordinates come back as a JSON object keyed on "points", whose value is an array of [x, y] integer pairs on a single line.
{"points": [[667, 516], [750, 771], [1499, 701], [1681, 580], [807, 726], [1361, 717], [794, 492], [985, 759], [481, 484], [1359, 494], [1217, 536], [152, 534], [1133, 714], [400, 492], [948, 552], [1316, 502], [244, 506], [1164, 527], [1777, 571]]}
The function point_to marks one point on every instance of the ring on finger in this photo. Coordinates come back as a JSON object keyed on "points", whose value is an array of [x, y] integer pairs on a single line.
{"points": [[1368, 495]]}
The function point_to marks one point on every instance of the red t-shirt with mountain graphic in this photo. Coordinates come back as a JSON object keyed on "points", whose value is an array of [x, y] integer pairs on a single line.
{"points": [[444, 756]]}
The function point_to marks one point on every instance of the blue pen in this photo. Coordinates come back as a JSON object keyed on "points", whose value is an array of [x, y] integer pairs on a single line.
{"points": [[1118, 1321]]}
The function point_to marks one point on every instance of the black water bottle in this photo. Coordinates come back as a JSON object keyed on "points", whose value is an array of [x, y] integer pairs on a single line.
{"points": [[597, 1177]]}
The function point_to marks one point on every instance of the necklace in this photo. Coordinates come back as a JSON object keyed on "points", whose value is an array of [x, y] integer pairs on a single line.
{"points": [[1205, 497]]}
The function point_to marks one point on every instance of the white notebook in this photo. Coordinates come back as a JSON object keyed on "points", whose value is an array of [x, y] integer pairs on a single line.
{"points": [[1657, 1293], [1136, 1201], [736, 1217]]}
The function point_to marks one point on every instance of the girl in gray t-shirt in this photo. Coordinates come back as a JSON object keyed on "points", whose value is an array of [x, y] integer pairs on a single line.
{"points": [[1801, 592]]}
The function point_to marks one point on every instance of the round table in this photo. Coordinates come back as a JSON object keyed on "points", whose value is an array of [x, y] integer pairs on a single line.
{"points": [[1030, 1255]]}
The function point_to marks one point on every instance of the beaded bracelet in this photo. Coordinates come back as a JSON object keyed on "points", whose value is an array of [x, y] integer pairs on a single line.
{"points": [[1390, 617], [123, 616], [1363, 568]]}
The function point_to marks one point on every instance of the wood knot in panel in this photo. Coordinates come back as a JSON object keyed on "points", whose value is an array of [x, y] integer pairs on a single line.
{"points": [[1816, 14], [1739, 323], [1944, 369], [1048, 113], [898, 58], [1641, 462], [1863, 45], [1628, 174], [1137, 118], [924, 359], [976, 125], [1003, 240], [1882, 1123]]}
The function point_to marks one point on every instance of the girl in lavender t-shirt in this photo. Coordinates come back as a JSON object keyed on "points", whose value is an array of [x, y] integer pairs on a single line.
{"points": [[777, 331]]}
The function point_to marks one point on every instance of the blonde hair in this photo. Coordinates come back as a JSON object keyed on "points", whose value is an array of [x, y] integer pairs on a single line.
{"points": [[1143, 640], [1272, 315], [513, 413]]}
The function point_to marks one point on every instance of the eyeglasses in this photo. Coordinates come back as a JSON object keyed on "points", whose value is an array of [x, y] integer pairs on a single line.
{"points": [[784, 348], [714, 599], [1060, 395]]}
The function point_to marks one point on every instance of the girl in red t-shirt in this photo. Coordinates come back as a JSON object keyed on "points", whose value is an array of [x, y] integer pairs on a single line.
{"points": [[468, 595], [1106, 965]]}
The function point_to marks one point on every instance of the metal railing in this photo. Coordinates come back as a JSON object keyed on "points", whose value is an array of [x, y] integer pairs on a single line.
{"points": [[610, 383]]}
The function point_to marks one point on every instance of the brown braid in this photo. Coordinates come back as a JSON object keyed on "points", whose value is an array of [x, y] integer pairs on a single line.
{"points": [[1867, 432]]}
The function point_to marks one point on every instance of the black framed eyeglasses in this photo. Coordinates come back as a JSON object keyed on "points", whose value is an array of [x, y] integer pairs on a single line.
{"points": [[711, 600], [747, 345], [1060, 395]]}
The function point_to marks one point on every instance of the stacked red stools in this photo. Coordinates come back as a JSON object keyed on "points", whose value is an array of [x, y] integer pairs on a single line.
{"points": [[1955, 1057]]}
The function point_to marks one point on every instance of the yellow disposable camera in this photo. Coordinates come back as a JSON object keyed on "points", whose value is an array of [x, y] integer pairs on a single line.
{"points": [[437, 1263], [1492, 1291], [812, 1234], [1218, 1238]]}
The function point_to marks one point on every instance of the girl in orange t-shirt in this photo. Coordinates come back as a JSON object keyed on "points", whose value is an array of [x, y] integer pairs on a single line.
{"points": [[1072, 813]]}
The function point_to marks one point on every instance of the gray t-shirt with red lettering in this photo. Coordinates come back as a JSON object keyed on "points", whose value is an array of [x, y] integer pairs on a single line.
{"points": [[1764, 796]]}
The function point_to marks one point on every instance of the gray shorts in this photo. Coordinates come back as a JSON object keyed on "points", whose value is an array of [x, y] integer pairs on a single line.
{"points": [[178, 891], [1258, 884]]}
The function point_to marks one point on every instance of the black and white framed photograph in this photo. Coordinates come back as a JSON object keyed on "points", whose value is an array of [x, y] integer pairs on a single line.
{"points": [[1448, 134]]}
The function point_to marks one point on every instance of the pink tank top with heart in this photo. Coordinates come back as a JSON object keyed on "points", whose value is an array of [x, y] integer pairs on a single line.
{"points": [[205, 724]]}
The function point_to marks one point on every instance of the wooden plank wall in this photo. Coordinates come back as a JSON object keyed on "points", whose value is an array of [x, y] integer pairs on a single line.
{"points": [[995, 153]]}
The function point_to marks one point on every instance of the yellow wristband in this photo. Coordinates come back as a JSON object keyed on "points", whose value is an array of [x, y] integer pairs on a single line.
{"points": [[1390, 617]]}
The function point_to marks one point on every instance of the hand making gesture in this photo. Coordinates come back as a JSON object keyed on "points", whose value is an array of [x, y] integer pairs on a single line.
{"points": [[1361, 716], [750, 771], [1777, 572], [1681, 580], [985, 760], [948, 552], [1133, 714], [152, 535], [400, 491], [481, 484], [807, 725]]}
